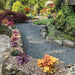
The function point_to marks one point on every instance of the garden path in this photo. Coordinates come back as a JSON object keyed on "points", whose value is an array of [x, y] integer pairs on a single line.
{"points": [[37, 47]]}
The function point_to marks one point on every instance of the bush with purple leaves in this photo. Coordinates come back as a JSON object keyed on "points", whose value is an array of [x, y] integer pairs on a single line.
{"points": [[22, 58]]}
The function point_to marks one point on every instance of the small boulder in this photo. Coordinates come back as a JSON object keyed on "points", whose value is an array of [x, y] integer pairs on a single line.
{"points": [[69, 73], [73, 68], [43, 30], [9, 27], [43, 26], [69, 66], [59, 42], [44, 34], [9, 67], [68, 43], [48, 38]]}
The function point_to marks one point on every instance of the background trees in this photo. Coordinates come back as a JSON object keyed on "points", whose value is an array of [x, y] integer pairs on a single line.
{"points": [[18, 7], [7, 4]]}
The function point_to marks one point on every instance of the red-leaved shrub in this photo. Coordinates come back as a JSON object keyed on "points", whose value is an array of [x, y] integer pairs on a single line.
{"points": [[13, 16]]}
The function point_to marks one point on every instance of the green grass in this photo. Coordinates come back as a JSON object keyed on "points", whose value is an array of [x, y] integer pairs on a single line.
{"points": [[41, 22]]}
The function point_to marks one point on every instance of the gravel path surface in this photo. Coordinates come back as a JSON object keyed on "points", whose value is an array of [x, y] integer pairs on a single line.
{"points": [[36, 46]]}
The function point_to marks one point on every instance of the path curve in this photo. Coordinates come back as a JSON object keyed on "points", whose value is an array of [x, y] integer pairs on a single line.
{"points": [[37, 47]]}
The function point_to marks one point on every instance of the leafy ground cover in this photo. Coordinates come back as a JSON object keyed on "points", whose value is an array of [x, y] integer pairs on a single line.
{"points": [[41, 22], [53, 31]]}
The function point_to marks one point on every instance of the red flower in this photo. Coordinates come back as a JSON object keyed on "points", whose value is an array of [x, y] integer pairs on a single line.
{"points": [[52, 5], [10, 23], [27, 10], [44, 10], [14, 39]]}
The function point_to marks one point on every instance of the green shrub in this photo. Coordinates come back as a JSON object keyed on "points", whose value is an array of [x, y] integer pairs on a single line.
{"points": [[59, 14], [52, 31], [49, 16], [36, 8], [70, 24], [14, 53], [2, 4], [30, 16], [61, 22], [13, 27], [67, 9], [66, 23], [1, 11], [18, 7], [9, 4], [57, 5], [50, 22]]}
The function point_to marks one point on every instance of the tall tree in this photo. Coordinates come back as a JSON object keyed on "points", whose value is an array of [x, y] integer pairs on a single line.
{"points": [[9, 4], [2, 4], [24, 2]]}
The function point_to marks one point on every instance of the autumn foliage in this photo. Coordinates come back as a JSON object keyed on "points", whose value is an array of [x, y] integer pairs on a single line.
{"points": [[48, 63]]}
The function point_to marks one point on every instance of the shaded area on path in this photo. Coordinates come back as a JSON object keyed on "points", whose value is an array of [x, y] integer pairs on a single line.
{"points": [[37, 47]]}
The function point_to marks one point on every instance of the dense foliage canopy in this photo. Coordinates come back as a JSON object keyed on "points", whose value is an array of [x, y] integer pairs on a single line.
{"points": [[18, 7], [7, 4]]}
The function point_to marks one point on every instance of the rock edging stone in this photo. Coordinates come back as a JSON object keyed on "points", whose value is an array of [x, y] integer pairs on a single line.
{"points": [[44, 33]]}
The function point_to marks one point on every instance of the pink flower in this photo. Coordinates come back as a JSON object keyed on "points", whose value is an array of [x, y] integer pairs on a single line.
{"points": [[14, 44], [14, 38], [22, 58], [15, 32], [10, 23]]}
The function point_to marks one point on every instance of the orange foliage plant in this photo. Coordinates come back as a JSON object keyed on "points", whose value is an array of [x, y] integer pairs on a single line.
{"points": [[4, 21], [48, 64]]}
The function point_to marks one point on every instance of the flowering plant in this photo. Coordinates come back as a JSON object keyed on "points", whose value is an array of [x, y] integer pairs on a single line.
{"points": [[14, 44], [27, 10], [4, 21], [22, 58], [44, 10], [53, 13], [14, 53], [14, 38], [48, 63], [10, 23], [52, 5], [15, 32]]}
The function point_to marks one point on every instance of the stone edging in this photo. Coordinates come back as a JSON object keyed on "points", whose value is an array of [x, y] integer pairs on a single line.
{"points": [[44, 33]]}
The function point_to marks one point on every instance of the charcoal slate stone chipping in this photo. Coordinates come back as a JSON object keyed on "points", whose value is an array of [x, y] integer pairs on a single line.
{"points": [[37, 47]]}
